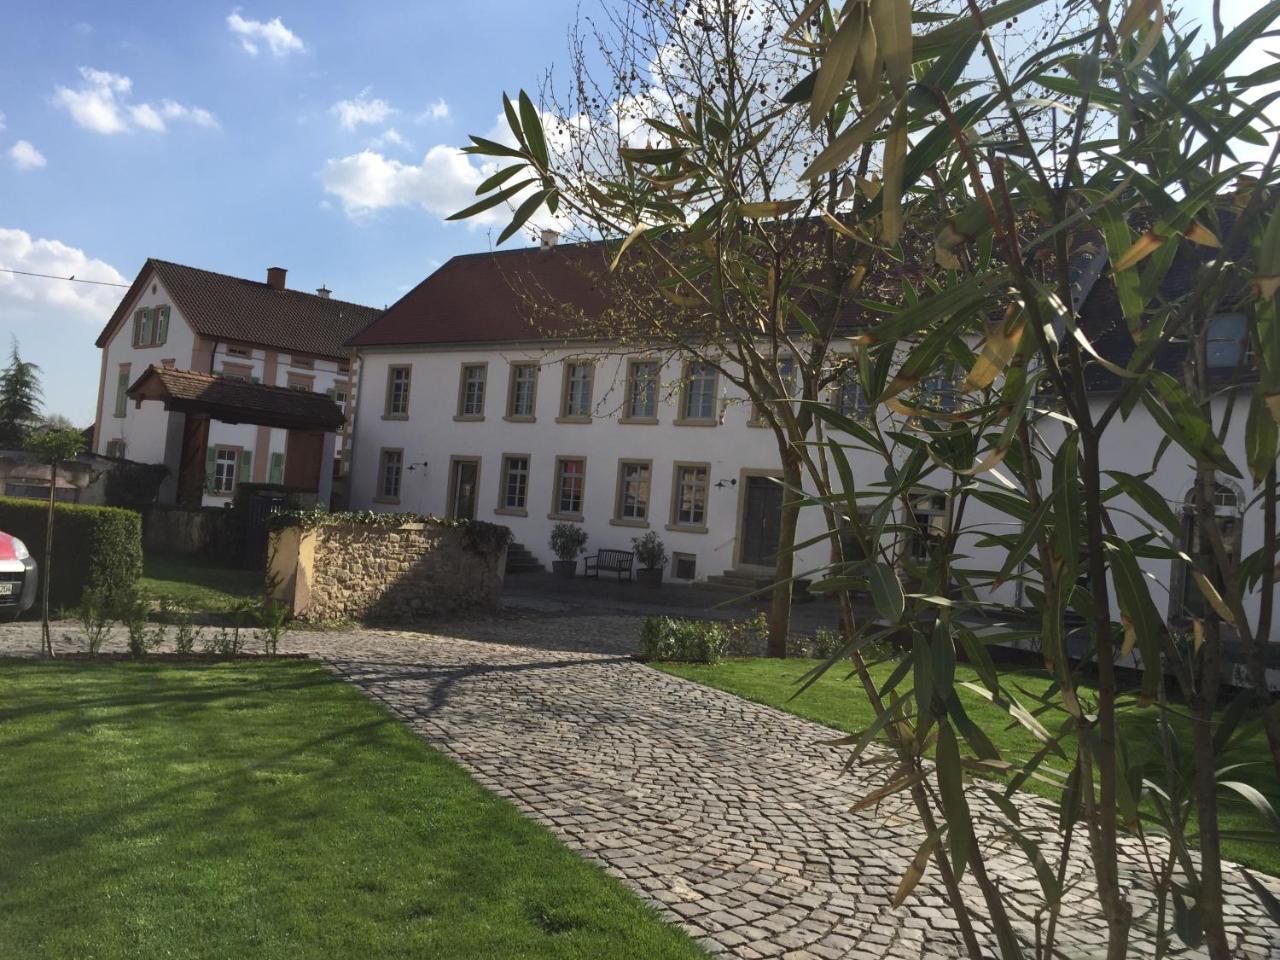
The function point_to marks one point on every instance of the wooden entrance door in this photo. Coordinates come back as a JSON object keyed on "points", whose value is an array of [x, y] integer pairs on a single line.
{"points": [[303, 452], [761, 519], [463, 482]]}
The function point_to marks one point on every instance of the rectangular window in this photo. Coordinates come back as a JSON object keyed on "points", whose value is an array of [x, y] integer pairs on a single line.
{"points": [[298, 381], [122, 390], [514, 495], [577, 391], [787, 376], [306, 363], [115, 448], [151, 326], [847, 397], [224, 471], [684, 566], [632, 503], [698, 405], [523, 391], [397, 404], [390, 468], [642, 390], [239, 351], [471, 391], [689, 496], [929, 525], [341, 393], [237, 371], [939, 393], [571, 477]]}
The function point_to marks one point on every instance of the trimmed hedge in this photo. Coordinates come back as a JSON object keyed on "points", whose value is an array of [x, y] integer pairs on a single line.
{"points": [[92, 546]]}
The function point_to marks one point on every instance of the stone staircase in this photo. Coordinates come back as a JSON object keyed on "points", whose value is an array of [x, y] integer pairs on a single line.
{"points": [[520, 560], [738, 583]]}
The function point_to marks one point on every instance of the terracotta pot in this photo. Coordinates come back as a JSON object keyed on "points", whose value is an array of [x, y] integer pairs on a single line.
{"points": [[564, 568], [650, 576]]}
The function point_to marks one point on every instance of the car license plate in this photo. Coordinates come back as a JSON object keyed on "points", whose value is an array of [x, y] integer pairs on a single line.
{"points": [[8, 588]]}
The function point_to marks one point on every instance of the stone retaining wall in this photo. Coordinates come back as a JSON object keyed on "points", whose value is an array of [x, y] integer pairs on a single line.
{"points": [[353, 571]]}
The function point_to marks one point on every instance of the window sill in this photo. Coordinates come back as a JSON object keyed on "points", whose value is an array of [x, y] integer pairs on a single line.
{"points": [[510, 512], [468, 417], [513, 418], [685, 528], [395, 416], [622, 522], [694, 423], [574, 419], [645, 421], [570, 517], [390, 500]]}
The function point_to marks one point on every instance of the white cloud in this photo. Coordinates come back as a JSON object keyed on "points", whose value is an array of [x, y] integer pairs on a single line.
{"points": [[437, 111], [37, 300], [26, 157], [1, 121], [361, 109], [101, 104], [391, 137], [279, 39], [442, 183]]}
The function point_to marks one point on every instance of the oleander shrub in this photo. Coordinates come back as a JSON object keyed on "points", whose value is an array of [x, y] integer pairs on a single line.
{"points": [[94, 548], [678, 639]]}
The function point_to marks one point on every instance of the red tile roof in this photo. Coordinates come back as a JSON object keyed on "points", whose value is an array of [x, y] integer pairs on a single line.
{"points": [[253, 312], [235, 401]]}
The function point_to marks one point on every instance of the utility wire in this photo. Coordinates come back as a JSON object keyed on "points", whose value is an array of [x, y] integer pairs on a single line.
{"points": [[73, 278]]}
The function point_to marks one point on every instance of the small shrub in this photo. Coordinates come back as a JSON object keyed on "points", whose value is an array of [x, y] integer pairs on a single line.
{"points": [[94, 614], [827, 643], [651, 551], [274, 618], [230, 642], [749, 637], [568, 540], [185, 632], [133, 610], [687, 641]]}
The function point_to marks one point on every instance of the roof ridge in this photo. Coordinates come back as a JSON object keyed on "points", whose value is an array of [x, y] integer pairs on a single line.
{"points": [[260, 283]]}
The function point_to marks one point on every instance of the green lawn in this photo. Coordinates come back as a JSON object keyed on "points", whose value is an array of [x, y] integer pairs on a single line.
{"points": [[840, 703], [267, 809], [196, 585]]}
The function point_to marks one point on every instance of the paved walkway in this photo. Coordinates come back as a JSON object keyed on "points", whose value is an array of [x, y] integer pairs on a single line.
{"points": [[729, 816]]}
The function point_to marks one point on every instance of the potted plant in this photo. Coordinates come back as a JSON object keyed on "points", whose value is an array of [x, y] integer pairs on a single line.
{"points": [[567, 541], [653, 558]]}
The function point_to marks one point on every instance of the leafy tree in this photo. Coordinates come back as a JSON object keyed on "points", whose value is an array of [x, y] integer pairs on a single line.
{"points": [[1109, 150], [19, 400], [52, 447]]}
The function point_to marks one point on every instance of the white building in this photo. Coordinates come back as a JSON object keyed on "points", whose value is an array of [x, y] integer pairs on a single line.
{"points": [[260, 333], [473, 405]]}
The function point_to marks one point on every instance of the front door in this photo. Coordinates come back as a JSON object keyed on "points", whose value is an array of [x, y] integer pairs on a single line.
{"points": [[462, 487], [762, 516]]}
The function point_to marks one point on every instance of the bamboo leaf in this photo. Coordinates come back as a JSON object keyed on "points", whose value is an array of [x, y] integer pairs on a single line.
{"points": [[888, 790], [522, 215], [847, 141], [1182, 420], [951, 792], [919, 863], [531, 123], [1260, 436], [1268, 899], [886, 591], [837, 63], [893, 171], [491, 201], [770, 208], [1148, 499], [1210, 592], [892, 22]]}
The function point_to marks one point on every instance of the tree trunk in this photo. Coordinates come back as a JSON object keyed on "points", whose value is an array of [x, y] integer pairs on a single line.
{"points": [[46, 570], [780, 609]]}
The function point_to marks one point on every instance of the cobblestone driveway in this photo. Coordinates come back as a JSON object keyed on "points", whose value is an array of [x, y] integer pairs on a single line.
{"points": [[730, 816]]}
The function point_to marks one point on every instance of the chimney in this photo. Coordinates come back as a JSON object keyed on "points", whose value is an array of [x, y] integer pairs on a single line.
{"points": [[549, 238], [275, 277], [323, 292]]}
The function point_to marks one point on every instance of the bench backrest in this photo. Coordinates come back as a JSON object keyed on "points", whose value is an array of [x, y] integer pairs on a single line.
{"points": [[612, 558]]}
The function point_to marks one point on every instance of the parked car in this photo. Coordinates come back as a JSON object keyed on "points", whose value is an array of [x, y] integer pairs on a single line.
{"points": [[18, 577]]}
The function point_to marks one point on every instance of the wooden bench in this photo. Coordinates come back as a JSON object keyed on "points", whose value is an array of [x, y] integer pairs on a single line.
{"points": [[610, 561]]}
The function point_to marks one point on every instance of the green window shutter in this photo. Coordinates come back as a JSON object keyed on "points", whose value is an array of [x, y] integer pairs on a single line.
{"points": [[210, 455], [245, 475], [277, 468], [122, 397], [162, 324], [137, 327], [144, 336]]}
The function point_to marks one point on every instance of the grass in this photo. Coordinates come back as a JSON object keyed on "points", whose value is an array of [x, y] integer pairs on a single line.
{"points": [[841, 704], [196, 585], [266, 809]]}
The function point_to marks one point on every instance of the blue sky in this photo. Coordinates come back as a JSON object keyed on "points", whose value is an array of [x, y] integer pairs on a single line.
{"points": [[317, 137], [243, 137]]}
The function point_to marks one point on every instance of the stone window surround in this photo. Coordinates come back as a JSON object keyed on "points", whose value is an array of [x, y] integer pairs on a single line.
{"points": [[630, 382], [678, 557], [237, 351], [676, 468], [510, 415], [461, 409], [454, 460], [502, 507], [237, 371], [392, 370], [121, 407], [303, 363], [555, 513], [681, 420], [618, 520], [305, 381], [381, 497], [565, 416]]}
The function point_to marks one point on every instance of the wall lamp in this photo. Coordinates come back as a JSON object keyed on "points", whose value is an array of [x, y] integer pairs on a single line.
{"points": [[415, 466], [731, 482]]}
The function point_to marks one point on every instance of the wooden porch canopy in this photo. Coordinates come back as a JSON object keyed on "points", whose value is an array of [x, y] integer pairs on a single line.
{"points": [[236, 401]]}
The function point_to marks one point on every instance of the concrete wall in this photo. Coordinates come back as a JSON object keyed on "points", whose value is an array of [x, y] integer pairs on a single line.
{"points": [[341, 571]]}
